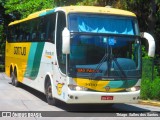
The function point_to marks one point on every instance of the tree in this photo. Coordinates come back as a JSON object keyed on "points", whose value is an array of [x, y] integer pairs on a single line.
{"points": [[2, 29], [66, 2], [2, 43], [22, 8]]}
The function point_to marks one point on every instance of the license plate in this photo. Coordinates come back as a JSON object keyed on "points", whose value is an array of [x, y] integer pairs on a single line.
{"points": [[106, 97]]}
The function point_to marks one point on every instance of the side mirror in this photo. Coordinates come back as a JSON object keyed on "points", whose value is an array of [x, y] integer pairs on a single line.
{"points": [[151, 42], [65, 41]]}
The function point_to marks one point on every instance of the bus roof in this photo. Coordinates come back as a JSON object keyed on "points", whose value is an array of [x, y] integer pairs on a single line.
{"points": [[74, 9], [95, 9]]}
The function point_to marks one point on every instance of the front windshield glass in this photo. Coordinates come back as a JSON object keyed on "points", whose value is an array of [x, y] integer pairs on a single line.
{"points": [[104, 53], [103, 24]]}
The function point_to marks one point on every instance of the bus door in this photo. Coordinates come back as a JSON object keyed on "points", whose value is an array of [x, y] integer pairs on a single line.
{"points": [[60, 67]]}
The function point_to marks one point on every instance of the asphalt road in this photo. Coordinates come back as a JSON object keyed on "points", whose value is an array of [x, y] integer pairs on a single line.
{"points": [[24, 99]]}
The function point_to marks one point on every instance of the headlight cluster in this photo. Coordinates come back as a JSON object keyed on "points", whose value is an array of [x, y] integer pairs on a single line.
{"points": [[133, 89], [77, 88]]}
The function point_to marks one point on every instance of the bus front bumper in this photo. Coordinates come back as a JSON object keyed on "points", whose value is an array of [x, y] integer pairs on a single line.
{"points": [[76, 97]]}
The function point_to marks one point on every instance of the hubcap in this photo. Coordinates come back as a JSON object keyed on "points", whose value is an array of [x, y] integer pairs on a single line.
{"points": [[49, 92]]}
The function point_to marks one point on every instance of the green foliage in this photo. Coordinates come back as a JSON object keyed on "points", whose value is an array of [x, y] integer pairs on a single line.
{"points": [[2, 2], [66, 2], [88, 2], [144, 53], [150, 89], [24, 7], [2, 39], [1, 68], [1, 32], [114, 3]]}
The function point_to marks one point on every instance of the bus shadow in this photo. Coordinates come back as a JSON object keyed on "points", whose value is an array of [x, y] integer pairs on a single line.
{"points": [[87, 108], [32, 91], [100, 108]]}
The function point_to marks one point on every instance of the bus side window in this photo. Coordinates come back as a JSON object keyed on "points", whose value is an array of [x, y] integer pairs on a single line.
{"points": [[61, 24], [20, 32], [27, 37], [20, 37], [17, 33], [43, 36], [11, 34], [24, 31], [42, 29], [48, 27], [33, 36], [52, 20], [27, 31], [14, 38], [33, 29]]}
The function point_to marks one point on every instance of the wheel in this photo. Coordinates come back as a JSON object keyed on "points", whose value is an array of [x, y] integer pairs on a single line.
{"points": [[14, 79], [48, 89]]}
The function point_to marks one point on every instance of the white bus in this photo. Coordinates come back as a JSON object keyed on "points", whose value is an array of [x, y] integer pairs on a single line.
{"points": [[78, 54]]}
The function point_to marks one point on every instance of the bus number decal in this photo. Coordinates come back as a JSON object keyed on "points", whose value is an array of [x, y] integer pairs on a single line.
{"points": [[20, 51], [91, 84]]}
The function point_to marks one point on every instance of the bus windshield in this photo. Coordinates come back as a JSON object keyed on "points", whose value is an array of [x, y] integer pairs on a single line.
{"points": [[100, 50], [103, 24]]}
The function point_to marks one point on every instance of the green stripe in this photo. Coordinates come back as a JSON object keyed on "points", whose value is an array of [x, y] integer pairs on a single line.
{"points": [[34, 60], [122, 83], [47, 12], [31, 59]]}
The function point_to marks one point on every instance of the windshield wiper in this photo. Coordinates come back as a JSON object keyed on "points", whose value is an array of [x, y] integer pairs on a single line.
{"points": [[109, 61], [121, 70], [98, 66], [119, 67]]}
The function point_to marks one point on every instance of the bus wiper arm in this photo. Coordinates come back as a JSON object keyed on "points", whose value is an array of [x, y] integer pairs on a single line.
{"points": [[98, 66], [119, 67]]}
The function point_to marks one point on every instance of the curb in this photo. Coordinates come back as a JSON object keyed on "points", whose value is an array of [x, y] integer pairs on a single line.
{"points": [[149, 102]]}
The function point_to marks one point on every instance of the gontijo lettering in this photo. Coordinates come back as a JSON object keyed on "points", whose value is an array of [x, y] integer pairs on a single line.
{"points": [[20, 51]]}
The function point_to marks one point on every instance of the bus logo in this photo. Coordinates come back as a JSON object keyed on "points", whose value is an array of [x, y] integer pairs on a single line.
{"points": [[107, 88], [20, 51]]}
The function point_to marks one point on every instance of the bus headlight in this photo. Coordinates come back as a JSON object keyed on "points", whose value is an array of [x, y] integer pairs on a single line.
{"points": [[133, 89], [77, 88]]}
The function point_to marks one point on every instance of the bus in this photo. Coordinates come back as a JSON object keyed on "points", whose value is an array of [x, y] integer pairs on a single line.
{"points": [[78, 54]]}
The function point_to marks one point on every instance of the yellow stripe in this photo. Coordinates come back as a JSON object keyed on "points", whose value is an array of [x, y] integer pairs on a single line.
{"points": [[94, 9], [97, 85], [14, 55]]}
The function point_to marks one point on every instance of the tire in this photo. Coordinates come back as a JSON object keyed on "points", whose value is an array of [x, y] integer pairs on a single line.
{"points": [[14, 79], [48, 90]]}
